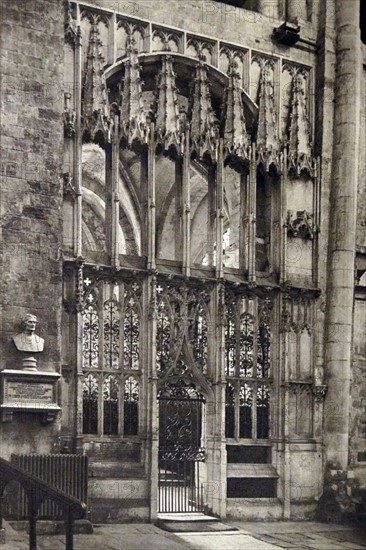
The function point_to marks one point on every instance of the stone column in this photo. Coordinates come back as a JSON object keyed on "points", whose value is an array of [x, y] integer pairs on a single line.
{"points": [[342, 235]]}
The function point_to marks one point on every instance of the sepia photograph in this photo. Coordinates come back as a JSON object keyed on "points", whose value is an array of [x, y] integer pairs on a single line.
{"points": [[183, 274]]}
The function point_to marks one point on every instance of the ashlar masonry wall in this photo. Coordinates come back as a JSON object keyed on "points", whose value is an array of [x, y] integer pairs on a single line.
{"points": [[31, 195]]}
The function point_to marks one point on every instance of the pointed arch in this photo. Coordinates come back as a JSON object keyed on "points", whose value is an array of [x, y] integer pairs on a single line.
{"points": [[184, 368]]}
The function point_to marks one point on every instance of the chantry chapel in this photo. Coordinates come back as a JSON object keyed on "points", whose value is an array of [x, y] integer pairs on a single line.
{"points": [[183, 209]]}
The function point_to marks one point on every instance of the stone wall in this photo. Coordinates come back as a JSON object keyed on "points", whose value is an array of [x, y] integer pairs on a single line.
{"points": [[361, 199], [358, 394], [31, 193]]}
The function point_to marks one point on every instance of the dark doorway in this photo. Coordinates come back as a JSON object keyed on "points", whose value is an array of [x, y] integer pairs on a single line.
{"points": [[180, 452]]}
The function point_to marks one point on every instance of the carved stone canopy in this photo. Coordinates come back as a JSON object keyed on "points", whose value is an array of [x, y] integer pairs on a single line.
{"points": [[174, 92]]}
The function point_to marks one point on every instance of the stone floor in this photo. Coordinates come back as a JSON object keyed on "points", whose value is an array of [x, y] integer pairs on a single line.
{"points": [[251, 536]]}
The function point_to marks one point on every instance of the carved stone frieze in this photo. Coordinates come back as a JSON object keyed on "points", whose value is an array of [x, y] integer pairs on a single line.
{"points": [[132, 30], [300, 224], [167, 37], [297, 314], [201, 48]]}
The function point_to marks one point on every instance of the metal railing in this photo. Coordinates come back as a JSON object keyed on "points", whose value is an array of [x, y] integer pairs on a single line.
{"points": [[37, 492], [67, 472]]}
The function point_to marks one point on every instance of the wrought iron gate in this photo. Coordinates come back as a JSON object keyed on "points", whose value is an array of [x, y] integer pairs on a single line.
{"points": [[180, 453]]}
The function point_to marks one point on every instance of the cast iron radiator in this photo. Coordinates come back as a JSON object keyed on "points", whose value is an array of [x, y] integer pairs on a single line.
{"points": [[66, 472]]}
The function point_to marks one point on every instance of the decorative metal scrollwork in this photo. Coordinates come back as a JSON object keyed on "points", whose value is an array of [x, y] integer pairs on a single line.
{"points": [[90, 334], [111, 334], [246, 345], [183, 454], [131, 330]]}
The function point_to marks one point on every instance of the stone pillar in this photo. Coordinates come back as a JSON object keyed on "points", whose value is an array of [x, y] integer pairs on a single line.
{"points": [[342, 232]]}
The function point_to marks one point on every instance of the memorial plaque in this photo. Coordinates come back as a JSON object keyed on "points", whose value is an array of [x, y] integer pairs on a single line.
{"points": [[28, 392], [31, 391]]}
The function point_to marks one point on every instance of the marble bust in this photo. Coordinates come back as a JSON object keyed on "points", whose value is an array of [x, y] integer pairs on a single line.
{"points": [[27, 340]]}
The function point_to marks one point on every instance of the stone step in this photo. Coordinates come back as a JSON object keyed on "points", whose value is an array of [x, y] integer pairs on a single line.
{"points": [[106, 510]]}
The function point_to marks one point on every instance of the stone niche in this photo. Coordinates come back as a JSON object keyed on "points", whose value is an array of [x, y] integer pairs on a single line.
{"points": [[35, 392]]}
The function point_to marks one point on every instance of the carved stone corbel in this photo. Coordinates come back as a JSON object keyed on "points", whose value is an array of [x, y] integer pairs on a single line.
{"points": [[300, 224], [319, 392]]}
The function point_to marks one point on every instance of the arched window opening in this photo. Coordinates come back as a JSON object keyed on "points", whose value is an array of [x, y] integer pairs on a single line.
{"points": [[111, 345], [245, 410], [162, 337], [131, 406], [230, 342], [230, 411], [131, 333], [263, 222], [90, 404], [233, 212], [203, 219], [248, 393], [90, 333], [169, 202], [110, 405], [264, 350], [246, 345], [97, 205], [263, 395], [199, 339]]}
